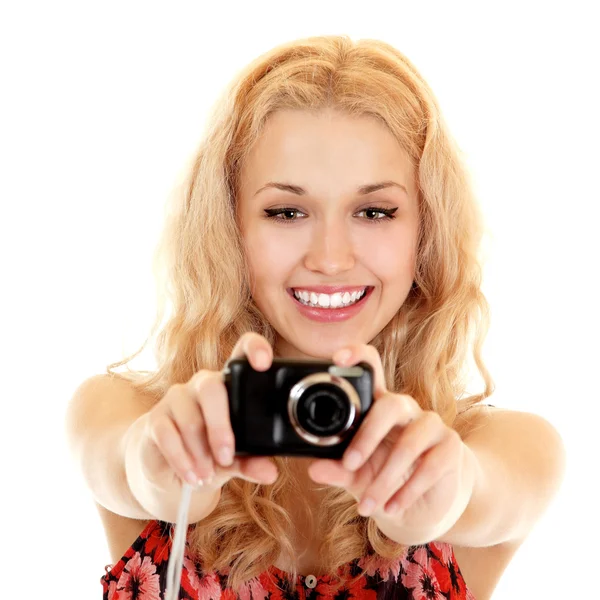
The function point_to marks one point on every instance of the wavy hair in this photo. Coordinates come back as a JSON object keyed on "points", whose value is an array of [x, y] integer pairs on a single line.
{"points": [[202, 277]]}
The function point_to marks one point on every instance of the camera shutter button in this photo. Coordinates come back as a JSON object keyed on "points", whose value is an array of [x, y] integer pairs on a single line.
{"points": [[311, 581]]}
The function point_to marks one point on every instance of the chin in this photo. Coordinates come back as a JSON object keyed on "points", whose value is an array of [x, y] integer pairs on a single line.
{"points": [[323, 351]]}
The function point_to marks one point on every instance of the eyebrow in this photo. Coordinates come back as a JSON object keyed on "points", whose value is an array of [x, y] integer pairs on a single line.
{"points": [[362, 190]]}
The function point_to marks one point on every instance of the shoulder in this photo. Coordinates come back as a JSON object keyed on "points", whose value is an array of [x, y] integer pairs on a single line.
{"points": [[523, 456], [517, 430], [493, 424], [472, 418]]}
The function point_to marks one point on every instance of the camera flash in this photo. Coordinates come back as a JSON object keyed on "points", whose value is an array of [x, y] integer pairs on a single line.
{"points": [[345, 371]]}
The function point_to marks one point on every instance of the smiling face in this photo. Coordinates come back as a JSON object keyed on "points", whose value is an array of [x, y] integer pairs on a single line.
{"points": [[332, 233]]}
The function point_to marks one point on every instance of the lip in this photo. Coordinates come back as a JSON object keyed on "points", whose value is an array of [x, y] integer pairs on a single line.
{"points": [[331, 315], [330, 289]]}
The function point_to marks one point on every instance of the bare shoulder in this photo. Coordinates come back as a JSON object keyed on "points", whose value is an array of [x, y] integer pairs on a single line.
{"points": [[483, 422], [530, 440], [526, 452], [474, 418], [120, 531], [524, 457]]}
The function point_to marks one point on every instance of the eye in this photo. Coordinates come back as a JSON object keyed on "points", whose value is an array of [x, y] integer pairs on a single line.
{"points": [[273, 213], [387, 214]]}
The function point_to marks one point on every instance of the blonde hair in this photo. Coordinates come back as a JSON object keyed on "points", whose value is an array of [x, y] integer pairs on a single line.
{"points": [[201, 269]]}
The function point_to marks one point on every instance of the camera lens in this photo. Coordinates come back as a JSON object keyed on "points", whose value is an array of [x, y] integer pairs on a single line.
{"points": [[323, 409]]}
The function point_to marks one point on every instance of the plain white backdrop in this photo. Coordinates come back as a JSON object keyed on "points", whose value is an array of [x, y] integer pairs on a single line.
{"points": [[103, 103]]}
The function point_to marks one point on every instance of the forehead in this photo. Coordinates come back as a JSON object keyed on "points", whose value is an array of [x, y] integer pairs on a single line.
{"points": [[325, 148]]}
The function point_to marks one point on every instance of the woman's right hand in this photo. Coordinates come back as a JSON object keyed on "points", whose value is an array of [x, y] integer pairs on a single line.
{"points": [[189, 429]]}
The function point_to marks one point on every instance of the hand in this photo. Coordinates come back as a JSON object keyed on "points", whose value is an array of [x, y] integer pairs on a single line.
{"points": [[408, 463], [189, 427]]}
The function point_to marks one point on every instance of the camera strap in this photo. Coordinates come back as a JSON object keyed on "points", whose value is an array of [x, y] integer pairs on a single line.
{"points": [[175, 565]]}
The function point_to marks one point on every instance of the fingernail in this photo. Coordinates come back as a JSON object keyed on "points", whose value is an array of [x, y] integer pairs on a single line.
{"points": [[191, 478], [225, 456], [262, 359]]}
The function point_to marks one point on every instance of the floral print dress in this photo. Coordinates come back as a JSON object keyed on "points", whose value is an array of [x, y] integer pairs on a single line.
{"points": [[425, 572]]}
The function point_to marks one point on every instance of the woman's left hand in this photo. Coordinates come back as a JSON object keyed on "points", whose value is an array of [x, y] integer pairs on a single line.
{"points": [[409, 466]]}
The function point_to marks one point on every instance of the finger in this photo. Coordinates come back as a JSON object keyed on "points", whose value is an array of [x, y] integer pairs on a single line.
{"points": [[388, 412], [425, 474], [211, 396], [331, 472], [187, 417], [252, 345], [165, 436], [419, 437], [379, 491], [259, 469], [251, 468], [368, 354]]}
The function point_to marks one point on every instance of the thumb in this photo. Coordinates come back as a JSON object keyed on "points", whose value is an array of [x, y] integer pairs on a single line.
{"points": [[257, 469], [332, 472]]}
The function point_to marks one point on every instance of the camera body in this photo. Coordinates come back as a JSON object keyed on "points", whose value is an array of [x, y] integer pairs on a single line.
{"points": [[297, 407]]}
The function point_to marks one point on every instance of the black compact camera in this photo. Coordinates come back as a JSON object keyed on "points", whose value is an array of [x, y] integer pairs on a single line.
{"points": [[296, 407]]}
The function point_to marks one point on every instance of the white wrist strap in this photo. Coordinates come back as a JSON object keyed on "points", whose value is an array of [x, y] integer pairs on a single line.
{"points": [[175, 565]]}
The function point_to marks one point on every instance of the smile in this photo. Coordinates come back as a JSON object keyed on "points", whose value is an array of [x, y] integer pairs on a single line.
{"points": [[331, 301], [325, 310]]}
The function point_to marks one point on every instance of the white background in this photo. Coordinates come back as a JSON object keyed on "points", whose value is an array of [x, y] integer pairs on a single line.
{"points": [[102, 105]]}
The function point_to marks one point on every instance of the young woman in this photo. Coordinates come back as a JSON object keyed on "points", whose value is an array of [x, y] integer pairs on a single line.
{"points": [[327, 214]]}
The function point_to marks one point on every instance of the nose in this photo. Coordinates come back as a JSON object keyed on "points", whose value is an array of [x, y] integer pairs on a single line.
{"points": [[331, 250]]}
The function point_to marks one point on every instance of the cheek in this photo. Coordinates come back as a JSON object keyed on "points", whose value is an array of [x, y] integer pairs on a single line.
{"points": [[271, 256], [391, 258]]}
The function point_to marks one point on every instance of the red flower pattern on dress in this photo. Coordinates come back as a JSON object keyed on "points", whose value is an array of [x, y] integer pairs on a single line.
{"points": [[442, 566], [427, 572], [158, 545], [383, 567], [359, 591], [447, 572], [112, 590], [325, 588], [203, 586], [253, 590], [420, 577], [228, 594], [139, 580], [442, 550]]}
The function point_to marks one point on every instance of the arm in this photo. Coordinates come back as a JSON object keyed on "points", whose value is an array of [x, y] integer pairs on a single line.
{"points": [[520, 464], [162, 499], [103, 425], [514, 464]]}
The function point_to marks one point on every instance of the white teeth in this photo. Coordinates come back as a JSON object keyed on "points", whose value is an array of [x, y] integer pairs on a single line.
{"points": [[328, 301], [336, 300], [324, 300]]}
